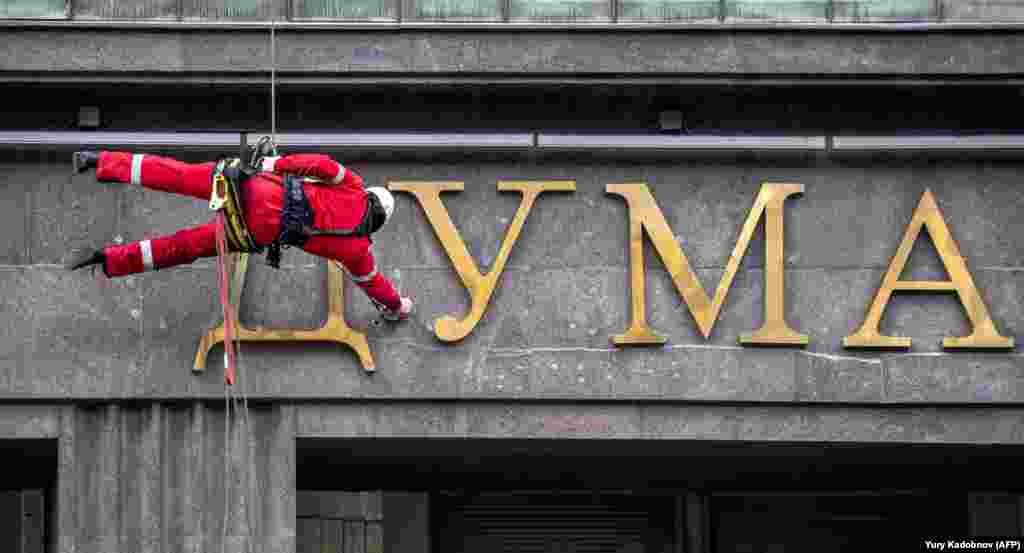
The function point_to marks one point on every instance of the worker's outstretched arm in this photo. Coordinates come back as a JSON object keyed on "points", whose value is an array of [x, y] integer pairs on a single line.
{"points": [[318, 166]]}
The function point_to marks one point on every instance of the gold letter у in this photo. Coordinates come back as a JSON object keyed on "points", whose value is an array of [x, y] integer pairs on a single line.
{"points": [[985, 334], [645, 215], [334, 330], [480, 287]]}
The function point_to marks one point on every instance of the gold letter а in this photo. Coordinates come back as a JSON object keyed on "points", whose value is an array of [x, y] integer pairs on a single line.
{"points": [[644, 214], [985, 334], [480, 287]]}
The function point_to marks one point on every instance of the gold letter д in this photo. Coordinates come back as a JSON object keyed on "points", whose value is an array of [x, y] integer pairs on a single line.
{"points": [[927, 215], [645, 215]]}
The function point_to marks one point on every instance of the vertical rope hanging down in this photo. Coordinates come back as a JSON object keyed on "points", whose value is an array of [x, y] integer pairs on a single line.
{"points": [[225, 303], [273, 85]]}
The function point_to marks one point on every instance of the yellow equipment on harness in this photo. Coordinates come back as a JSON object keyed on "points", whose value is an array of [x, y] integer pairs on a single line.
{"points": [[225, 196]]}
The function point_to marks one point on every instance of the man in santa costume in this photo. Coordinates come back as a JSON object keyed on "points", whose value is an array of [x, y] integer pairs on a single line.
{"points": [[304, 200]]}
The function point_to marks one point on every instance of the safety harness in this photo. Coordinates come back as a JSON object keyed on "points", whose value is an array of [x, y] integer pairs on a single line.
{"points": [[228, 177], [297, 217]]}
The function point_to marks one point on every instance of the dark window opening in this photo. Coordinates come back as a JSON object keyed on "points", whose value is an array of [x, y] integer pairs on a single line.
{"points": [[28, 496]]}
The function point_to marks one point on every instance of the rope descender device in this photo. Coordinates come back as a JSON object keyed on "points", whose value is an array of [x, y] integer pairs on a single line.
{"points": [[219, 193]]}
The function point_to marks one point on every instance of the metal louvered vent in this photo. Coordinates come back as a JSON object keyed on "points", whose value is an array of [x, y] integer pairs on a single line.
{"points": [[540, 523]]}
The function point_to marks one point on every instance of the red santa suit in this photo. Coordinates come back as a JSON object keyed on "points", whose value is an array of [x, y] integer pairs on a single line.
{"points": [[337, 197]]}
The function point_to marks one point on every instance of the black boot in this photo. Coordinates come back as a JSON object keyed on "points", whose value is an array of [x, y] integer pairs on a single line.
{"points": [[86, 159], [85, 259]]}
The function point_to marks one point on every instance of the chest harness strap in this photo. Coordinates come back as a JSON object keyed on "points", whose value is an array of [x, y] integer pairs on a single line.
{"points": [[297, 221]]}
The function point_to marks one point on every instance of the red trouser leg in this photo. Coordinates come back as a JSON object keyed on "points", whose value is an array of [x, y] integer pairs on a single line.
{"points": [[356, 256], [363, 270], [184, 246], [380, 290], [157, 173]]}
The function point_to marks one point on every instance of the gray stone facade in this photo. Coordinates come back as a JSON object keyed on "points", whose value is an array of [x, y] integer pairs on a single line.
{"points": [[145, 457]]}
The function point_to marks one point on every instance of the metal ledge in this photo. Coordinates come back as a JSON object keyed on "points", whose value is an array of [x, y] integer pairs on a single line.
{"points": [[582, 142], [400, 140], [937, 144], [113, 138]]}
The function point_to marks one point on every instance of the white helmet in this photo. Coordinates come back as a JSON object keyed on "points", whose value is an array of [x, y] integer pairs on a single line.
{"points": [[387, 201]]}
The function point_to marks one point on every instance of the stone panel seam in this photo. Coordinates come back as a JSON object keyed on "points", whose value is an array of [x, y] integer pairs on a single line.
{"points": [[27, 219], [140, 358], [885, 382]]}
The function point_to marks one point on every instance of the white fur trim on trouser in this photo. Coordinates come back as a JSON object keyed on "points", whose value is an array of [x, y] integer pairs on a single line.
{"points": [[341, 175], [147, 255], [137, 168], [367, 277]]}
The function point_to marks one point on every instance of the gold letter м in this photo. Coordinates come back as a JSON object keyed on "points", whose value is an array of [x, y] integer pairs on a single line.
{"points": [[645, 215]]}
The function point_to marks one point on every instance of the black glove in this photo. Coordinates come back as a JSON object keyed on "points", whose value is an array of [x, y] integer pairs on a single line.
{"points": [[85, 159]]}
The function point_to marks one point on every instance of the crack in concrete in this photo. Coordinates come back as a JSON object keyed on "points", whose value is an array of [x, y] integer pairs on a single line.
{"points": [[516, 352], [412, 344], [832, 357], [1007, 269], [951, 355]]}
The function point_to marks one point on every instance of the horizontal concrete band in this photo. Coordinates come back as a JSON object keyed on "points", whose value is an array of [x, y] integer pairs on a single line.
{"points": [[29, 421], [503, 420], [808, 56], [520, 141], [630, 422]]}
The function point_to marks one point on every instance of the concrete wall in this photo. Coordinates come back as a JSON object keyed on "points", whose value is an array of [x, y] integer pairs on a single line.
{"points": [[311, 58], [173, 478]]}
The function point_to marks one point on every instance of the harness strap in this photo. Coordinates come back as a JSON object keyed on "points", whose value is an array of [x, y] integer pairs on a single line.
{"points": [[228, 177], [297, 221]]}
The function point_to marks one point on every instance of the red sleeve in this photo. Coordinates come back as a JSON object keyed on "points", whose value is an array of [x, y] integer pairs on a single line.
{"points": [[319, 166]]}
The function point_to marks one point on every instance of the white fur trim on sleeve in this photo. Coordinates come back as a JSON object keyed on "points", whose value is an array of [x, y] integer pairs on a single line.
{"points": [[340, 176], [268, 163]]}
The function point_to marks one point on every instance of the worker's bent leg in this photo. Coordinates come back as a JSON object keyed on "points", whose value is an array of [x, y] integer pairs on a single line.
{"points": [[356, 256], [379, 289], [182, 247], [155, 172]]}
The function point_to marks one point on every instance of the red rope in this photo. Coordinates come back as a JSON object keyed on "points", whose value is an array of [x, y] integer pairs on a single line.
{"points": [[225, 302]]}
